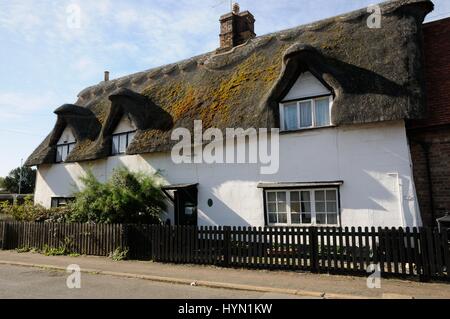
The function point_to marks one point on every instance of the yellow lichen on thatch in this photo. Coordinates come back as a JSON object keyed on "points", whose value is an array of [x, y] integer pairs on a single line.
{"points": [[176, 97], [258, 72]]}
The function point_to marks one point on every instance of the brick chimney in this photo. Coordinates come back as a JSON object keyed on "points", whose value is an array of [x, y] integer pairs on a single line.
{"points": [[236, 28]]}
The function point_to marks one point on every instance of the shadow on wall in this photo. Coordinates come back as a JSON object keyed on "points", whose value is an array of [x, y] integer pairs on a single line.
{"points": [[222, 214], [385, 196]]}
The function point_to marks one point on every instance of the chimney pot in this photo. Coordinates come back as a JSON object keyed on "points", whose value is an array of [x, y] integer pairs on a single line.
{"points": [[106, 76], [236, 28], [236, 8]]}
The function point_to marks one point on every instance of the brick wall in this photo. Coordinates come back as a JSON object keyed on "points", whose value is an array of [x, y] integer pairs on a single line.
{"points": [[437, 73], [433, 133], [437, 140]]}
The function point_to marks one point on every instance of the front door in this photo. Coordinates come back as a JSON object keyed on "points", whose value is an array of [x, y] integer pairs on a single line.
{"points": [[186, 207]]}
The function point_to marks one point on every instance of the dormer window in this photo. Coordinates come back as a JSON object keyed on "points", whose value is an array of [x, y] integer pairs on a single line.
{"points": [[123, 136], [307, 105], [65, 145]]}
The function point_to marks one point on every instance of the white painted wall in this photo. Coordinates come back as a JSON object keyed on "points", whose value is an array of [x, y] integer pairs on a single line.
{"points": [[372, 160], [125, 125], [307, 85], [67, 136]]}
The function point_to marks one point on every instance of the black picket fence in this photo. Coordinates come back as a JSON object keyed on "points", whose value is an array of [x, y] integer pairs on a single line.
{"points": [[419, 252], [423, 253]]}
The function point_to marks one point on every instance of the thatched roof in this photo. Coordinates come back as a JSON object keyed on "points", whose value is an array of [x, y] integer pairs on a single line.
{"points": [[375, 75]]}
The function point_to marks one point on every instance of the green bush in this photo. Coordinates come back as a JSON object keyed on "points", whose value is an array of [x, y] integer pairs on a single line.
{"points": [[28, 212], [127, 198]]}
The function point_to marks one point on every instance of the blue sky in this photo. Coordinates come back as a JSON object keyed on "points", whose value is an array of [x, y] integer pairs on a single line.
{"points": [[45, 63]]}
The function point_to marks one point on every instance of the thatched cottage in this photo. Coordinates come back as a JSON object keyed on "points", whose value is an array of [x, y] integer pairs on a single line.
{"points": [[339, 90]]}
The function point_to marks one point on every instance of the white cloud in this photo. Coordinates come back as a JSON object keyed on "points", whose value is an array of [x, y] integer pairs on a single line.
{"points": [[15, 105]]}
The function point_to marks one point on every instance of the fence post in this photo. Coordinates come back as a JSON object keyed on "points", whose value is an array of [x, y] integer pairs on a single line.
{"points": [[227, 246], [313, 246], [426, 273], [2, 235], [124, 236]]}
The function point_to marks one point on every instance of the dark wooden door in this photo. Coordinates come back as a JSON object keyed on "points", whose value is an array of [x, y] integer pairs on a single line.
{"points": [[186, 207]]}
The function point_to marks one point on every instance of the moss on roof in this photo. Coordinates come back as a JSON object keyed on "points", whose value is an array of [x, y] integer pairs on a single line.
{"points": [[375, 75]]}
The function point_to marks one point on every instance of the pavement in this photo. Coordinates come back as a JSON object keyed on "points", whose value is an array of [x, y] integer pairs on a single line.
{"points": [[240, 281]]}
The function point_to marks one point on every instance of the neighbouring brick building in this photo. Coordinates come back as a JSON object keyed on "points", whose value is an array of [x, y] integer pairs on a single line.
{"points": [[430, 138]]}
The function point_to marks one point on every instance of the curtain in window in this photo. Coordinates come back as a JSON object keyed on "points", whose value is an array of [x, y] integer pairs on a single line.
{"points": [[123, 143], [305, 114], [290, 117], [71, 147], [115, 145], [322, 108], [59, 154]]}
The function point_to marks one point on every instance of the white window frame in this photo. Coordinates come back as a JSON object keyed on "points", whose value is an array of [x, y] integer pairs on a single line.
{"points": [[313, 100], [313, 207], [127, 134], [68, 147], [61, 201]]}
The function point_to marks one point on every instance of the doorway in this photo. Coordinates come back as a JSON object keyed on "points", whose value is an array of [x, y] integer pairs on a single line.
{"points": [[185, 200]]}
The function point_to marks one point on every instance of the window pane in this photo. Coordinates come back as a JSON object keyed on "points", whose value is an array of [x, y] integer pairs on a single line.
{"points": [[331, 195], [282, 218], [295, 197], [322, 108], [295, 219], [273, 218], [306, 207], [305, 114], [282, 207], [306, 197], [331, 207], [115, 145], [332, 219], [272, 207], [320, 195], [65, 152], [131, 137], [306, 218], [295, 207], [123, 143], [281, 196], [290, 116], [320, 207], [272, 197], [321, 219], [59, 155]]}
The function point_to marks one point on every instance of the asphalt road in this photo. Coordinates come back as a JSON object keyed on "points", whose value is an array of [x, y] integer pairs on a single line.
{"points": [[32, 283]]}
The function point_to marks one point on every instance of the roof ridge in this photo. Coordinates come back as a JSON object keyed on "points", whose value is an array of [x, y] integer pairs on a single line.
{"points": [[284, 34]]}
